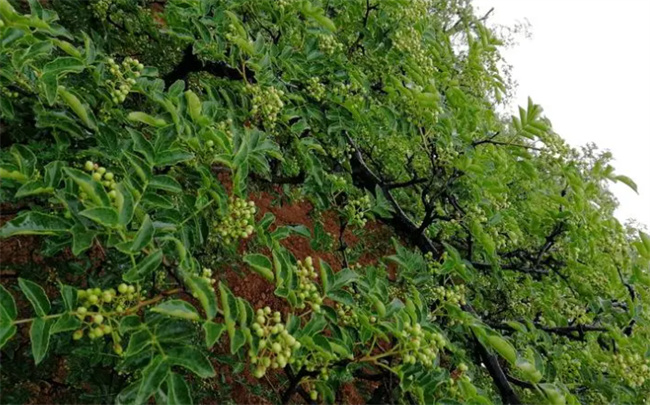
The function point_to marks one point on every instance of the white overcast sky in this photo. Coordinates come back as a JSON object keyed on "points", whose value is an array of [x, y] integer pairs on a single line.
{"points": [[588, 65]]}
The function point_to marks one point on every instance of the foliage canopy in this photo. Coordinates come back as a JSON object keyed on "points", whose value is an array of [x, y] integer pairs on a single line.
{"points": [[143, 128]]}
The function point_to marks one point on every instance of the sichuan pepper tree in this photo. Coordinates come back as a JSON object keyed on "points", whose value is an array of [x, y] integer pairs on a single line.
{"points": [[514, 281]]}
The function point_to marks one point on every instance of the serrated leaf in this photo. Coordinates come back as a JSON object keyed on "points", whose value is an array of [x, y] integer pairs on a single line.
{"points": [[64, 323], [39, 334], [172, 157], [178, 392], [191, 359], [152, 377], [204, 294], [137, 342], [82, 239], [92, 188], [144, 235], [167, 183], [8, 309], [125, 204], [177, 309], [261, 264], [34, 223], [138, 116], [143, 145], [145, 267], [213, 332], [104, 216], [31, 188], [69, 295], [237, 341], [36, 296], [6, 332]]}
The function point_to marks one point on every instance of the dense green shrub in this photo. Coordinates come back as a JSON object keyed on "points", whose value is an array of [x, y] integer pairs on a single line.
{"points": [[514, 283]]}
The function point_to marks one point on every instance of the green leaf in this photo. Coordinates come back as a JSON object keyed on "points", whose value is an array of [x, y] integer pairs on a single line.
{"points": [[92, 188], [138, 116], [144, 235], [178, 392], [137, 342], [63, 65], [167, 183], [7, 331], [261, 264], [152, 377], [178, 309], [39, 335], [237, 342], [503, 347], [193, 105], [192, 359], [125, 204], [77, 107], [172, 157], [36, 296], [141, 167], [628, 182], [145, 267], [104, 216], [7, 306], [226, 299], [66, 322], [204, 293], [34, 187], [82, 239], [34, 223], [343, 278], [213, 332], [143, 145], [69, 295]]}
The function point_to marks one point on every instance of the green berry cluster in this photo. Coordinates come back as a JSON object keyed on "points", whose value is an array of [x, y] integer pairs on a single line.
{"points": [[338, 182], [101, 175], [418, 345], [454, 295], [356, 209], [99, 308], [328, 44], [238, 223], [5, 92], [315, 88], [100, 8], [347, 315], [123, 77], [206, 274], [275, 344], [307, 290], [342, 154], [224, 126], [267, 102], [631, 368]]}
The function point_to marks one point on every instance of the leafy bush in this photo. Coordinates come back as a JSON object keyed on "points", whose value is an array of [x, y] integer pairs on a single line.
{"points": [[135, 137]]}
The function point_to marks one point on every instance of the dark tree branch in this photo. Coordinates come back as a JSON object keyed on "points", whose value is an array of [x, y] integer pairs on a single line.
{"points": [[566, 331], [191, 63], [487, 266], [365, 178], [413, 181]]}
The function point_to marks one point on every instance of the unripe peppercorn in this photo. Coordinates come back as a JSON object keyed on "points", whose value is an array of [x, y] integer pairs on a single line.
{"points": [[97, 176], [78, 334], [89, 166], [122, 288], [98, 319]]}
